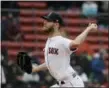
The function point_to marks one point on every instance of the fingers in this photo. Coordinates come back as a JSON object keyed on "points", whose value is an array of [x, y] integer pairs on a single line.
{"points": [[93, 26]]}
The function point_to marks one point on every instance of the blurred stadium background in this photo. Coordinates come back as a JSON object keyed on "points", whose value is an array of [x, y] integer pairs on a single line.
{"points": [[21, 31]]}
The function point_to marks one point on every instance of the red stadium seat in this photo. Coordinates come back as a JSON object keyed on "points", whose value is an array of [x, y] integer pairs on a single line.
{"points": [[39, 5], [43, 12], [22, 44]]}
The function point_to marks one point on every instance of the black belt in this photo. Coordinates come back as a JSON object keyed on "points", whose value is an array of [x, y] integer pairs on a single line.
{"points": [[62, 82]]}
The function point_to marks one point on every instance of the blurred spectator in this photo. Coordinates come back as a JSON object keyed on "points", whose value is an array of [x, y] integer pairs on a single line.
{"points": [[13, 32], [106, 62], [105, 5], [14, 72], [4, 22], [89, 8], [10, 17], [103, 52], [85, 63], [98, 68], [81, 73], [106, 70], [10, 29], [74, 60]]}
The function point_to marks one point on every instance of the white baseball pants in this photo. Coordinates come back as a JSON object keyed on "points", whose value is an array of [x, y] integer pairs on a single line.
{"points": [[71, 82]]}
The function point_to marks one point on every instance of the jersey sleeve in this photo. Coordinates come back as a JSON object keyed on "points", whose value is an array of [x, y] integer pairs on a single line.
{"points": [[66, 43]]}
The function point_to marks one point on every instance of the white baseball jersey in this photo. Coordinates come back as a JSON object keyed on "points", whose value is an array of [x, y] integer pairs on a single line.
{"points": [[57, 57]]}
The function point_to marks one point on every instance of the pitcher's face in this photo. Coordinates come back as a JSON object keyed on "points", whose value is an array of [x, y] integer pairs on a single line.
{"points": [[47, 26]]}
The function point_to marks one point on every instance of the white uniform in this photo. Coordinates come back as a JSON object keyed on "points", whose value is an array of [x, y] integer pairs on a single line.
{"points": [[57, 58]]}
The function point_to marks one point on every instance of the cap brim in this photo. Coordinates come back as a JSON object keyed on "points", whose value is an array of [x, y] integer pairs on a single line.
{"points": [[46, 18]]}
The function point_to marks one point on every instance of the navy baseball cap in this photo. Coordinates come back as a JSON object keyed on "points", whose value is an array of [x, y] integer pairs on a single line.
{"points": [[55, 17]]}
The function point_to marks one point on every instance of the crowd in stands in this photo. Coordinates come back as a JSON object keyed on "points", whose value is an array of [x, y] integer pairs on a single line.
{"points": [[92, 68], [10, 28]]}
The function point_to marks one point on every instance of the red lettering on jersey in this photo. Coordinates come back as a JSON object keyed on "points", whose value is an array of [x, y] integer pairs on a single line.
{"points": [[53, 50]]}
